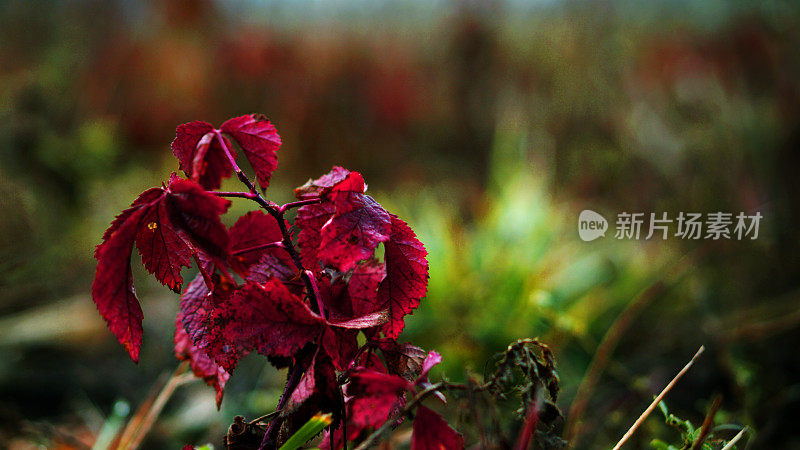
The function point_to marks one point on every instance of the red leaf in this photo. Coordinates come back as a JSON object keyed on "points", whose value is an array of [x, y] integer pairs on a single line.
{"points": [[344, 192], [363, 286], [271, 267], [335, 298], [187, 138], [375, 396], [406, 278], [163, 249], [266, 318], [196, 213], [370, 382], [258, 140], [404, 359], [166, 224], [431, 432], [144, 199], [431, 360], [371, 360], [182, 212], [112, 289], [356, 228], [314, 188], [202, 366], [195, 307], [248, 237], [341, 345], [200, 155], [198, 302], [340, 306], [316, 390], [309, 220]]}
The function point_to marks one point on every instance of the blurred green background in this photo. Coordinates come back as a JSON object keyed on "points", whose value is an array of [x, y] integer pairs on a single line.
{"points": [[488, 126]]}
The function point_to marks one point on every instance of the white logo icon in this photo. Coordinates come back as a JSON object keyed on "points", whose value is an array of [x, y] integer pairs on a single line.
{"points": [[591, 225]]}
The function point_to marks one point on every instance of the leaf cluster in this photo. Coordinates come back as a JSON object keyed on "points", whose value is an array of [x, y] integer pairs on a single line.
{"points": [[310, 294]]}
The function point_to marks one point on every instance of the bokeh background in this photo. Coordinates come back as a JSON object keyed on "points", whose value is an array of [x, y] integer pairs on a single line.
{"points": [[488, 126]]}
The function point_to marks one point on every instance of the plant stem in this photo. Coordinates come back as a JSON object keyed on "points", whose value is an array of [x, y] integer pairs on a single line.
{"points": [[657, 400], [295, 372], [297, 204], [248, 195], [343, 406], [735, 439], [264, 417], [259, 247], [531, 421], [276, 212], [292, 380], [288, 245], [321, 307], [707, 422], [143, 420]]}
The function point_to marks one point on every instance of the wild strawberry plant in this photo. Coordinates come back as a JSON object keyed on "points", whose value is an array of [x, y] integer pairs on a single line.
{"points": [[309, 294]]}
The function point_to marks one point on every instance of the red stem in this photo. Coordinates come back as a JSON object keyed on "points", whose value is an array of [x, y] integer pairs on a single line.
{"points": [[343, 408], [277, 214], [259, 247], [310, 276], [292, 380], [297, 204], [228, 153], [529, 429], [248, 195], [296, 371]]}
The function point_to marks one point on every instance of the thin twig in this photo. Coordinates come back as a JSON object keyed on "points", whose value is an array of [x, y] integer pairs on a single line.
{"points": [[297, 204], [344, 419], [754, 331], [264, 417], [315, 289], [657, 400], [292, 380], [132, 438], [248, 195], [259, 247], [732, 442], [707, 422], [472, 401], [136, 419]]}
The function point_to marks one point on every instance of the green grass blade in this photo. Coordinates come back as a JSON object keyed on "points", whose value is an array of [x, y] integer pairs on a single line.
{"points": [[307, 431]]}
